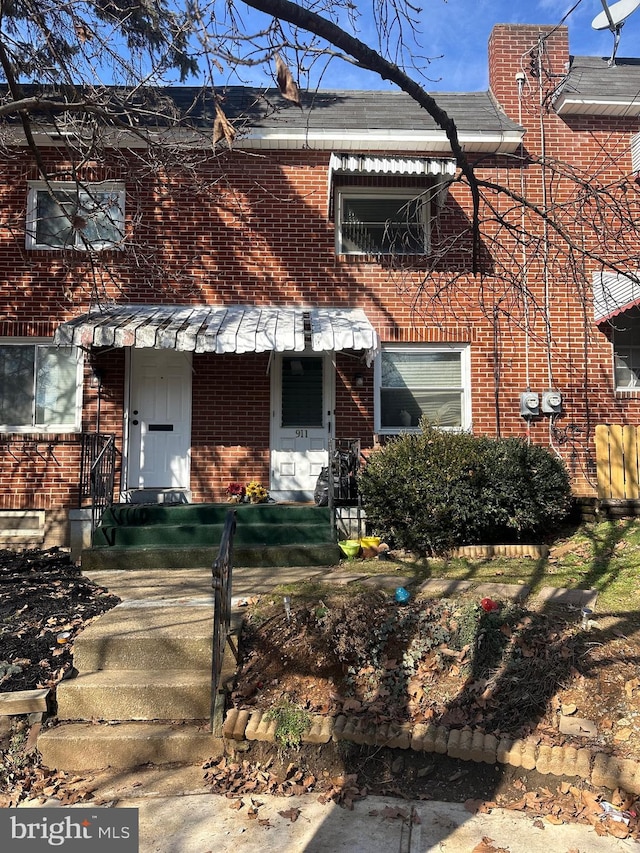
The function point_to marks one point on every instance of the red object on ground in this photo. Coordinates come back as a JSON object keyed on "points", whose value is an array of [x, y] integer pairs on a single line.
{"points": [[489, 605]]}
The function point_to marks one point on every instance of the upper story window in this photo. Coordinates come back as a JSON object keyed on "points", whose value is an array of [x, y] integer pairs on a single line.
{"points": [[427, 380], [73, 216], [40, 387], [381, 221], [626, 349]]}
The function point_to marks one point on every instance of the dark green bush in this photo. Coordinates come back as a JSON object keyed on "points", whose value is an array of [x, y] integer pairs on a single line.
{"points": [[433, 491]]}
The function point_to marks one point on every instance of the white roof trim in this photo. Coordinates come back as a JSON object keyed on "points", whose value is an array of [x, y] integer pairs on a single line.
{"points": [[612, 294], [322, 140], [381, 140], [575, 105], [221, 329]]}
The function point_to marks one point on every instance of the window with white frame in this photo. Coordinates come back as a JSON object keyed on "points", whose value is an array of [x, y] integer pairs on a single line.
{"points": [[382, 221], [75, 216], [625, 335], [414, 381], [40, 387]]}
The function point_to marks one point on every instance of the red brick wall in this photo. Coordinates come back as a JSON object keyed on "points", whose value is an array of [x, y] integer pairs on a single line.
{"points": [[255, 230]]}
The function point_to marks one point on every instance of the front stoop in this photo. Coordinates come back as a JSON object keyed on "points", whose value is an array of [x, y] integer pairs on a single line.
{"points": [[143, 690], [182, 536]]}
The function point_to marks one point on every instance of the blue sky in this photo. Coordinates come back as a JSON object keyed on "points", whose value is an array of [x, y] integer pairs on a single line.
{"points": [[458, 32]]}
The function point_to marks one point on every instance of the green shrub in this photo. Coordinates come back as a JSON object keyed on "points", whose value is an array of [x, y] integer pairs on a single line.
{"points": [[434, 490]]}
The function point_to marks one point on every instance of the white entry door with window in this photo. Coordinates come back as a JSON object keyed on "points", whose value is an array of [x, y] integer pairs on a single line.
{"points": [[159, 419], [302, 391]]}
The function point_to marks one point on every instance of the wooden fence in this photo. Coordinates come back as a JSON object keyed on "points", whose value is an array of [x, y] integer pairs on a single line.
{"points": [[618, 461]]}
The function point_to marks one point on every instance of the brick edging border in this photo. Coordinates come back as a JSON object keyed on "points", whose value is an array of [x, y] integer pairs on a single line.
{"points": [[598, 768]]}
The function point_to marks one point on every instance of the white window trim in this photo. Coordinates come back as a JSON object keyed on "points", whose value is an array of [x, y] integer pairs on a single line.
{"points": [[35, 187], [406, 194], [52, 427], [465, 369], [633, 386]]}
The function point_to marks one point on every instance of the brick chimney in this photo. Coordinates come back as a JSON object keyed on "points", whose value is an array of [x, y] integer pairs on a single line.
{"points": [[525, 49]]}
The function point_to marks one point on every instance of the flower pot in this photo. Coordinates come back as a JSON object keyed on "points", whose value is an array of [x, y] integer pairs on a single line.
{"points": [[350, 548]]}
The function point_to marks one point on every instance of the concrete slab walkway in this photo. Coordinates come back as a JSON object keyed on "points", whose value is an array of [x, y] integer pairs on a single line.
{"points": [[177, 815], [149, 586], [200, 823]]}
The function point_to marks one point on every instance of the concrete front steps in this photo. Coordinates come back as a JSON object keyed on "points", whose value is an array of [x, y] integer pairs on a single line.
{"points": [[181, 536], [143, 690]]}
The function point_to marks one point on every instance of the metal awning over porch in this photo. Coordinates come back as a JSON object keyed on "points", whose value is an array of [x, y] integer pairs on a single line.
{"points": [[221, 329], [612, 294]]}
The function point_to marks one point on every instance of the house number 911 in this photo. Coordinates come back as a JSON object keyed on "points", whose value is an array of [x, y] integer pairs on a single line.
{"points": [[301, 433]]}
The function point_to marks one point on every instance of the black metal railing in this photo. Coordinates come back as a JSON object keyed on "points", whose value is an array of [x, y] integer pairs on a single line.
{"points": [[345, 457], [97, 472], [221, 583], [344, 465]]}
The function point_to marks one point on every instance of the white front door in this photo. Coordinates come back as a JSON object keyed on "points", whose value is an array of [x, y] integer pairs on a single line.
{"points": [[159, 419], [302, 389]]}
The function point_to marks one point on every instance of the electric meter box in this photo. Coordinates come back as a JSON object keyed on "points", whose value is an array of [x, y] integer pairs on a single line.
{"points": [[529, 404], [552, 403]]}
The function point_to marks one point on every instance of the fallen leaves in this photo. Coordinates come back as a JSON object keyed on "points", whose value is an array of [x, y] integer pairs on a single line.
{"points": [[235, 778], [631, 687], [35, 782], [580, 805], [290, 814], [479, 806], [486, 846], [345, 791]]}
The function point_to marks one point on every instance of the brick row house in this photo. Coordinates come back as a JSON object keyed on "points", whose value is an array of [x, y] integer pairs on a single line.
{"points": [[224, 312]]}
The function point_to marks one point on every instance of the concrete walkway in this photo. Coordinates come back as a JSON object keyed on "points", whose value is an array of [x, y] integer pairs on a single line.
{"points": [[202, 823], [177, 815]]}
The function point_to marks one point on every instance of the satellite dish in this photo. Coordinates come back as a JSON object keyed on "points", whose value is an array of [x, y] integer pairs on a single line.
{"points": [[612, 18]]}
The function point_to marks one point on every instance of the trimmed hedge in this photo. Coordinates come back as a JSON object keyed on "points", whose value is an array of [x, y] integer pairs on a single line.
{"points": [[433, 491]]}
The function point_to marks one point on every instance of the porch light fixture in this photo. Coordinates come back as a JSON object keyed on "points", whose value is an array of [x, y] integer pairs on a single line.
{"points": [[358, 381], [96, 377]]}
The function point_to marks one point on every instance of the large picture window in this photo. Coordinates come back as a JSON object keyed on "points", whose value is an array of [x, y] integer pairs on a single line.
{"points": [[40, 387], [382, 222], [626, 350], [70, 216], [422, 381]]}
